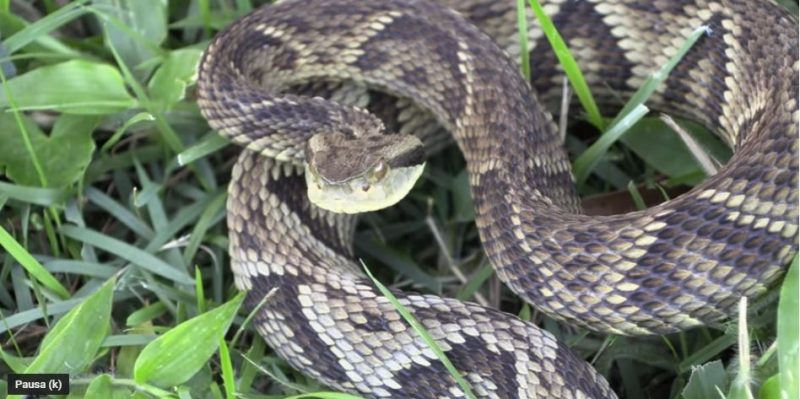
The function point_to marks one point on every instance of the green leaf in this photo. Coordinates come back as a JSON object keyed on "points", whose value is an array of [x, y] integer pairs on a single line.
{"points": [[771, 388], [176, 356], [137, 29], [16, 364], [788, 327], [208, 144], [71, 345], [64, 154], [100, 388], [653, 141], [76, 87], [706, 381], [168, 85]]}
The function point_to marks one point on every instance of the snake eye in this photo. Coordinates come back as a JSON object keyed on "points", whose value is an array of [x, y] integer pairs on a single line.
{"points": [[379, 171]]}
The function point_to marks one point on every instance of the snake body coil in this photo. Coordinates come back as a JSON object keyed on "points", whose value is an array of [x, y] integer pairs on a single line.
{"points": [[680, 264]]}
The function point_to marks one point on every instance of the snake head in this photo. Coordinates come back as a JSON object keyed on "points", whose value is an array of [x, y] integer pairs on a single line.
{"points": [[347, 174]]}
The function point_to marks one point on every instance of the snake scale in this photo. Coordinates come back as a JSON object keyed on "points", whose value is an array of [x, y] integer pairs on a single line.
{"points": [[677, 265]]}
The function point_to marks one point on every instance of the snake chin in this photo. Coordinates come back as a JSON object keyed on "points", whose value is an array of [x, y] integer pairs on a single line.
{"points": [[362, 194]]}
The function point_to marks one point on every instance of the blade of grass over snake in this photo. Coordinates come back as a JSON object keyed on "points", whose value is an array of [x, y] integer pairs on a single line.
{"points": [[571, 68], [633, 110], [652, 82], [522, 30], [423, 333], [587, 161], [636, 196], [31, 264]]}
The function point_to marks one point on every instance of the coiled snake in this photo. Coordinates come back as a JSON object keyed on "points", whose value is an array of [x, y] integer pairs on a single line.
{"points": [[677, 265]]}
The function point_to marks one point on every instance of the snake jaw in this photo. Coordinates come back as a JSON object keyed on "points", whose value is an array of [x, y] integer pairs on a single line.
{"points": [[362, 194]]}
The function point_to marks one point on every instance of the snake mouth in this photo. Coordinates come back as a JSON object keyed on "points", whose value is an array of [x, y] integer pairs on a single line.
{"points": [[362, 194]]}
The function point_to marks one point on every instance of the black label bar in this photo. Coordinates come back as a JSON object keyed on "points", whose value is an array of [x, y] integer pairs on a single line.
{"points": [[38, 384]]}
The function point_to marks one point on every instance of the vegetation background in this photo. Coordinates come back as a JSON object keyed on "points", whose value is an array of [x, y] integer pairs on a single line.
{"points": [[112, 209]]}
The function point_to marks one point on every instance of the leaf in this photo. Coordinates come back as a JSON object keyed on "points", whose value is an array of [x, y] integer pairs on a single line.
{"points": [[706, 381], [64, 154], [99, 388], [208, 144], [75, 87], [664, 150], [16, 364], [168, 85], [71, 345], [135, 28], [788, 326], [586, 162], [771, 388], [176, 356]]}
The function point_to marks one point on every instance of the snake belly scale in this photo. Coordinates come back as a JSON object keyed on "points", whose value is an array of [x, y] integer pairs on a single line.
{"points": [[677, 265]]}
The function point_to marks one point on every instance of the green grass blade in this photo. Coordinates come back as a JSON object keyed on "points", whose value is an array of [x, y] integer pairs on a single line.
{"points": [[215, 208], [140, 117], [571, 68], [587, 161], [34, 195], [44, 26], [522, 30], [132, 254], [423, 333], [145, 314], [209, 144], [652, 82], [228, 378], [30, 264], [120, 212], [788, 327]]}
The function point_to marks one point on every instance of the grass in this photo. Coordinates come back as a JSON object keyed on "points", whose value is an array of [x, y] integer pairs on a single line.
{"points": [[115, 251]]}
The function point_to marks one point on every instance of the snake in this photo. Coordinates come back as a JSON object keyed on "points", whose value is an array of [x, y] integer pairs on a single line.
{"points": [[295, 84]]}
